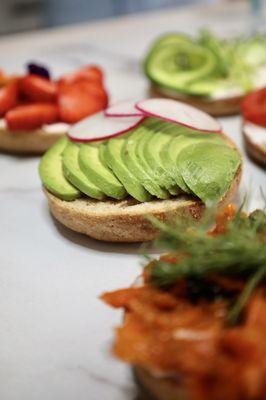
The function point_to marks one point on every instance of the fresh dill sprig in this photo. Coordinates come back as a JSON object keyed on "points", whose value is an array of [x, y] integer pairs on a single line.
{"points": [[251, 285], [239, 252]]}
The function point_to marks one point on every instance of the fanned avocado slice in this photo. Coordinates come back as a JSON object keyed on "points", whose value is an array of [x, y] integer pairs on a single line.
{"points": [[137, 166], [150, 147], [74, 174], [170, 38], [113, 156], [102, 177], [176, 65], [208, 169], [170, 152], [51, 173]]}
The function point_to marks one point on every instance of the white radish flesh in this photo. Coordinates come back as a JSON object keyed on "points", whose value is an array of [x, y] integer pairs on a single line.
{"points": [[99, 127], [123, 109], [179, 113]]}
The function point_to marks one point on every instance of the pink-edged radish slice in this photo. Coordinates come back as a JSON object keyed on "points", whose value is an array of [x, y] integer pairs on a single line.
{"points": [[99, 127], [123, 109], [179, 113]]}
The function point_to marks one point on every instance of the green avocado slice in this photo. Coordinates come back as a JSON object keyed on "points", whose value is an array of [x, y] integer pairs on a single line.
{"points": [[148, 149], [137, 165], [176, 65], [113, 157], [172, 149], [91, 165], [170, 38], [74, 174], [51, 173], [208, 169]]}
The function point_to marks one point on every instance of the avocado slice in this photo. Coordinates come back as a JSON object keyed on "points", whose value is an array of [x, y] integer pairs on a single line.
{"points": [[74, 174], [170, 38], [171, 150], [176, 65], [51, 173], [208, 169], [102, 177], [137, 165], [150, 146], [113, 156]]}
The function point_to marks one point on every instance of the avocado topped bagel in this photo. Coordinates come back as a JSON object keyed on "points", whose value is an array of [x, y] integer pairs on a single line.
{"points": [[194, 322], [207, 72], [117, 167], [35, 110]]}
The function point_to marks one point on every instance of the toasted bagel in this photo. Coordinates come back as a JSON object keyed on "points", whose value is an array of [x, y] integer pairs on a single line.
{"points": [[125, 221], [23, 142], [215, 107], [254, 144]]}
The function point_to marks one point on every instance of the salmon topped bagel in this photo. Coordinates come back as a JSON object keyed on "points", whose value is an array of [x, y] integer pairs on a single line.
{"points": [[194, 326]]}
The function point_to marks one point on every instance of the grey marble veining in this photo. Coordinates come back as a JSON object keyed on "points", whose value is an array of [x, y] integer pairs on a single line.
{"points": [[56, 335]]}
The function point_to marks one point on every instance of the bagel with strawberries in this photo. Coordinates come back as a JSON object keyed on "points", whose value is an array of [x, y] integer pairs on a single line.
{"points": [[36, 111]]}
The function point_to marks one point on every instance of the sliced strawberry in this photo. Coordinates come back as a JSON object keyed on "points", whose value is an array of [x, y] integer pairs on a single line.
{"points": [[36, 88], [95, 89], [90, 73], [31, 116], [80, 100], [8, 98]]}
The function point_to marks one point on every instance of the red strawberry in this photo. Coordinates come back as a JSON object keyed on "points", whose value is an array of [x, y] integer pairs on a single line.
{"points": [[88, 73], [36, 88], [80, 100], [95, 89], [8, 98], [31, 116]]}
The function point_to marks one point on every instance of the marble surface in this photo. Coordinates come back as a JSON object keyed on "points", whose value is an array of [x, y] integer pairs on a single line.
{"points": [[55, 334]]}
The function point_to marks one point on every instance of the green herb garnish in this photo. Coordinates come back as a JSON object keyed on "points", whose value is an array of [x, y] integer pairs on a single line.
{"points": [[240, 252]]}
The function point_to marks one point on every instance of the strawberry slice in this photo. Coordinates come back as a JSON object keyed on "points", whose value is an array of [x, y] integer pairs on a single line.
{"points": [[80, 100], [31, 116], [36, 88], [90, 73], [8, 98]]}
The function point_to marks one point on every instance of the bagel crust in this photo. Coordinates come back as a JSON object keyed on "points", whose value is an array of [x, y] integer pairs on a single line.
{"points": [[125, 221], [31, 142], [158, 388], [255, 151], [215, 107]]}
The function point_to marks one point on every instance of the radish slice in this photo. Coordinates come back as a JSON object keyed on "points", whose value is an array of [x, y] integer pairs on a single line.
{"points": [[100, 127], [123, 109], [179, 113]]}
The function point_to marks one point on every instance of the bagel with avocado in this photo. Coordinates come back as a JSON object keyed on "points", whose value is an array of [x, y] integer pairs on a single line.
{"points": [[207, 72], [106, 188]]}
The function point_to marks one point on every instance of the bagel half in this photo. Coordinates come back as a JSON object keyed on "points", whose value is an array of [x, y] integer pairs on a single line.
{"points": [[255, 142], [125, 221], [215, 107], [32, 142]]}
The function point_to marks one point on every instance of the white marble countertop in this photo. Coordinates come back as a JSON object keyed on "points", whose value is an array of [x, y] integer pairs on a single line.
{"points": [[55, 334]]}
